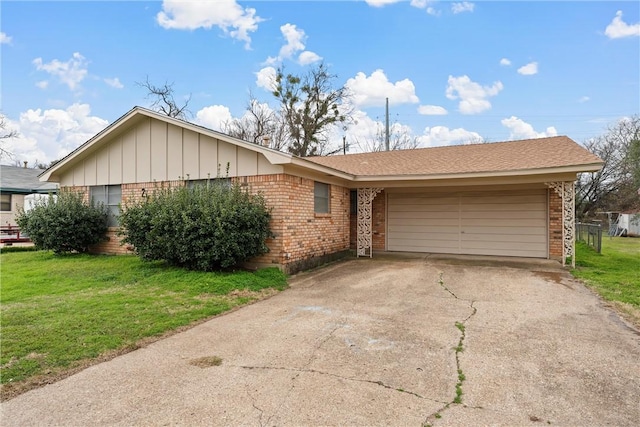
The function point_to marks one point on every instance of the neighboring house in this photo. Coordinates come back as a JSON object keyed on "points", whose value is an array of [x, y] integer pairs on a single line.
{"points": [[15, 184], [511, 198]]}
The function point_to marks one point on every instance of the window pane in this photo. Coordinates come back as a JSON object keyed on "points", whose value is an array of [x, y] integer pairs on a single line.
{"points": [[5, 202], [110, 196], [321, 197]]}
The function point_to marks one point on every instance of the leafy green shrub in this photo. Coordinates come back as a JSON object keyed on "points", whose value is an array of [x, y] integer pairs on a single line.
{"points": [[65, 224], [208, 227]]}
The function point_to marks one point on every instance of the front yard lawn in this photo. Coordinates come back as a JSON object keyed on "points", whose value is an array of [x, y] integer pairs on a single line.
{"points": [[614, 274], [62, 313]]}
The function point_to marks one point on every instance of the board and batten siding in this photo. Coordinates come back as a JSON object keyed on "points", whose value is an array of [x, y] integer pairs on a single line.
{"points": [[153, 150], [510, 223]]}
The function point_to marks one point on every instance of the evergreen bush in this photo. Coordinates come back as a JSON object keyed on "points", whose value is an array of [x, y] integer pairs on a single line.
{"points": [[66, 224], [207, 227]]}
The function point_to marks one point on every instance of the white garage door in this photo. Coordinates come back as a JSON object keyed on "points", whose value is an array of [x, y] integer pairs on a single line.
{"points": [[510, 223]]}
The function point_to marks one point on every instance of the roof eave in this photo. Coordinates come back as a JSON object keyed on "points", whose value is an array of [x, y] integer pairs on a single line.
{"points": [[594, 167], [298, 161]]}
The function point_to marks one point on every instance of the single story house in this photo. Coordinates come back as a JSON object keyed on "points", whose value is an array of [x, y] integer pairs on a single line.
{"points": [[16, 183], [510, 198]]}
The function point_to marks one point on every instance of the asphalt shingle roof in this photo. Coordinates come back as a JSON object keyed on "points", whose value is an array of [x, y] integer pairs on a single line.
{"points": [[541, 153], [23, 180]]}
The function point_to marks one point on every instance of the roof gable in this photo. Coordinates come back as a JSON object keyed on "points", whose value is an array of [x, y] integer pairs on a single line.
{"points": [[135, 114]]}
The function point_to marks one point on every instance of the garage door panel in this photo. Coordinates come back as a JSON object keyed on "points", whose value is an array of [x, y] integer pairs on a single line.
{"points": [[429, 246], [501, 252], [432, 236], [511, 223], [423, 215], [505, 223], [504, 230], [403, 199], [501, 245], [503, 199], [539, 214], [424, 229], [423, 208], [521, 238], [488, 207]]}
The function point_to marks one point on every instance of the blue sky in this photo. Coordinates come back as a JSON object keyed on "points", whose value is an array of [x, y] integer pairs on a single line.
{"points": [[454, 71]]}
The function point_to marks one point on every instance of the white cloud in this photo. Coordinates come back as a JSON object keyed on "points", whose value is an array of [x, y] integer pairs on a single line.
{"points": [[619, 29], [295, 39], [265, 78], [432, 110], [472, 96], [442, 135], [46, 135], [426, 5], [381, 3], [4, 38], [214, 116], [295, 42], [42, 84], [519, 129], [529, 69], [372, 91], [583, 99], [71, 72], [505, 62], [464, 6], [227, 15], [307, 57], [433, 11], [114, 82]]}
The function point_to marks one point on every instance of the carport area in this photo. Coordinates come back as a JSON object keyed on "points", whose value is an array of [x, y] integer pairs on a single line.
{"points": [[383, 341]]}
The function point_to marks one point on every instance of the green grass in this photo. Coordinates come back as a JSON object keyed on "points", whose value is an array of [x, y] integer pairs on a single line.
{"points": [[615, 273], [58, 312]]}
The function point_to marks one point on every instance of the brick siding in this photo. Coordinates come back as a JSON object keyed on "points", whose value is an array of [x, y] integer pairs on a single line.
{"points": [[301, 236], [555, 225], [301, 239]]}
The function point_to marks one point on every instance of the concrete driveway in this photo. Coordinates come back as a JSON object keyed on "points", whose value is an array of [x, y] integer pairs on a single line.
{"points": [[375, 342]]}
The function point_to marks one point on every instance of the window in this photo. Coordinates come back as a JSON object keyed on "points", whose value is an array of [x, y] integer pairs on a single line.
{"points": [[225, 182], [321, 198], [110, 196], [5, 203]]}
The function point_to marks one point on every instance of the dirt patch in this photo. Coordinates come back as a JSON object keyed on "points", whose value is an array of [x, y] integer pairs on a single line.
{"points": [[206, 362], [628, 312]]}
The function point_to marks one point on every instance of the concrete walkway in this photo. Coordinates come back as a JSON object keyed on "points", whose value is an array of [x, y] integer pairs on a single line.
{"points": [[375, 342]]}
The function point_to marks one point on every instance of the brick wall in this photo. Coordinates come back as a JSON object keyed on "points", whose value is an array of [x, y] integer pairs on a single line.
{"points": [[555, 225], [302, 238]]}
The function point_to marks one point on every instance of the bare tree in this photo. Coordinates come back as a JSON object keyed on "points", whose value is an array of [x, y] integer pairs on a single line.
{"points": [[259, 124], [615, 187], [309, 107], [164, 101], [400, 138], [5, 135]]}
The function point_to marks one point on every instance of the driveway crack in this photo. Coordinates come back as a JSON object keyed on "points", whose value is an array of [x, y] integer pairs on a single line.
{"points": [[299, 371], [459, 348]]}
